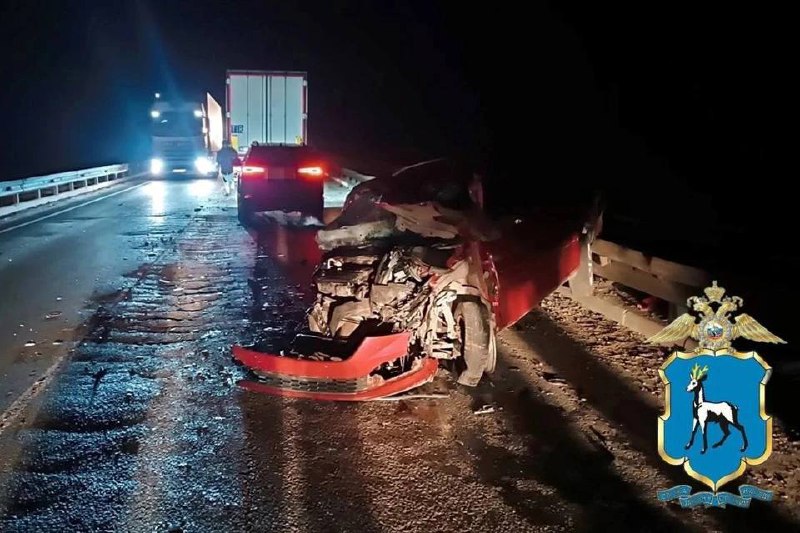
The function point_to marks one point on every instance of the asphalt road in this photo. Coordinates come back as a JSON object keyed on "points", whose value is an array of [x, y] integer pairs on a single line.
{"points": [[142, 428], [54, 271]]}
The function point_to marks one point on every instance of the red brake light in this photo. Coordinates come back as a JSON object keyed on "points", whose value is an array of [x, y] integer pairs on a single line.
{"points": [[310, 171], [250, 171]]}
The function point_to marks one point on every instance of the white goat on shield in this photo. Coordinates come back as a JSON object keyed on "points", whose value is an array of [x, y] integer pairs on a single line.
{"points": [[723, 413]]}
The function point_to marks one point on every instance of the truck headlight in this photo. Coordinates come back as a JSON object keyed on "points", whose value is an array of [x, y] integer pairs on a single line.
{"points": [[156, 166], [204, 165]]}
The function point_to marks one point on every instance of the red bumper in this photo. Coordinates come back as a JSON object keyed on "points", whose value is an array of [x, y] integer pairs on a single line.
{"points": [[347, 380]]}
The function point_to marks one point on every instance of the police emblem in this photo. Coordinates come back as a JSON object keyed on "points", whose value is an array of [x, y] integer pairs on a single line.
{"points": [[714, 422]]}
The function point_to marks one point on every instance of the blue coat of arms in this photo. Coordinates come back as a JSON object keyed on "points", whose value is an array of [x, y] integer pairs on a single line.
{"points": [[714, 421]]}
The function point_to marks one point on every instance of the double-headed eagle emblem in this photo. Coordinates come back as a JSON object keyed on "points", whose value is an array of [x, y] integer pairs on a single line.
{"points": [[715, 330]]}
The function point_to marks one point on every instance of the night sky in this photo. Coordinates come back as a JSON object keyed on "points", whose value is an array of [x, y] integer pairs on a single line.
{"points": [[636, 97]]}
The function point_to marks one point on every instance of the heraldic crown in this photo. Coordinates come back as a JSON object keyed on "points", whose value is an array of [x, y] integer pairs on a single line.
{"points": [[713, 329]]}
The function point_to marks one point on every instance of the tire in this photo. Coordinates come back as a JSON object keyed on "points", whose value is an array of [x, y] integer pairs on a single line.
{"points": [[475, 341], [245, 213]]}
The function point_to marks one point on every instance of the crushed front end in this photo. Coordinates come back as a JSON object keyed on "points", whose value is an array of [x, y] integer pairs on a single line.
{"points": [[413, 272], [381, 319], [382, 314]]}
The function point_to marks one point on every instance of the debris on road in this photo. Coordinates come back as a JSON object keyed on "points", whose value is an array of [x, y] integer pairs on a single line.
{"points": [[97, 376], [292, 219], [484, 410], [412, 396], [554, 378]]}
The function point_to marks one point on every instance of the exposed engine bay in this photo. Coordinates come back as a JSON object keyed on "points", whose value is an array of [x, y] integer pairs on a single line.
{"points": [[395, 281], [404, 288]]}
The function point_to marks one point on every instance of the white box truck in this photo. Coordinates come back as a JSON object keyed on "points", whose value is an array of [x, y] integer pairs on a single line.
{"points": [[268, 107]]}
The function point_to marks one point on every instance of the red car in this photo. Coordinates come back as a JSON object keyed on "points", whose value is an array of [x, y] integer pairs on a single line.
{"points": [[281, 178], [420, 267]]}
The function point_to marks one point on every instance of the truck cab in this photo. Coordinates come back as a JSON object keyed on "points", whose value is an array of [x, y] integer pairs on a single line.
{"points": [[180, 142]]}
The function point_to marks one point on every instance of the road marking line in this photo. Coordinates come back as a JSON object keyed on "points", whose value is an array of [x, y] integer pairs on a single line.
{"points": [[28, 223], [24, 399]]}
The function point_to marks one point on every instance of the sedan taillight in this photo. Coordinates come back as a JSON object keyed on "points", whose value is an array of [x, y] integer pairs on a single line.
{"points": [[312, 172], [252, 171]]}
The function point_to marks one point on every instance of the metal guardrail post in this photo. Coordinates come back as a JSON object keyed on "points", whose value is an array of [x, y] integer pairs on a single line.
{"points": [[676, 310], [666, 280], [582, 284]]}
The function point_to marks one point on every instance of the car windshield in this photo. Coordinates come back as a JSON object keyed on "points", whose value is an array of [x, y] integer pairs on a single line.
{"points": [[177, 124]]}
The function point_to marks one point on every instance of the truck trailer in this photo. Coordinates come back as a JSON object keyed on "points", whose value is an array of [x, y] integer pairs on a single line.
{"points": [[266, 107]]}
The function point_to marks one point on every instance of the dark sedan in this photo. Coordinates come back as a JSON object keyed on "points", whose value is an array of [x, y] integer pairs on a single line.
{"points": [[281, 178]]}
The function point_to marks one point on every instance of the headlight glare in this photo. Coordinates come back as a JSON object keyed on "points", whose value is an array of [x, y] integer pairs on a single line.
{"points": [[156, 166], [204, 165]]}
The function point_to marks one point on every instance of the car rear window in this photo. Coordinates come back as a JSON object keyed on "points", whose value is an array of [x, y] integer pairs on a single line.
{"points": [[278, 155]]}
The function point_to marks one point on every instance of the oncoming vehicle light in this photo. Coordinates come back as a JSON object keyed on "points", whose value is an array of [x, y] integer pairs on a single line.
{"points": [[155, 113], [204, 165], [310, 171], [156, 166]]}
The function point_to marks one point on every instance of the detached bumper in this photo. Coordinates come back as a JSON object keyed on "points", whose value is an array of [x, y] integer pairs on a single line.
{"points": [[353, 379]]}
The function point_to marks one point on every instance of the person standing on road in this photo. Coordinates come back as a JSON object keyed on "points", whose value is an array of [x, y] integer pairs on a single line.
{"points": [[227, 158]]}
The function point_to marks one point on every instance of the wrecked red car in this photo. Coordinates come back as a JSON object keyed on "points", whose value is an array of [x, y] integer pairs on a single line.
{"points": [[421, 267]]}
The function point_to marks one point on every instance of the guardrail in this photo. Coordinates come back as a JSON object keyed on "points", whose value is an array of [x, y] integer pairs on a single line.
{"points": [[29, 192], [664, 279]]}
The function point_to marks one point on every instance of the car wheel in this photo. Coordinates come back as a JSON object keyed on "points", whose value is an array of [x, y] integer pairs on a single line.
{"points": [[245, 212], [475, 341]]}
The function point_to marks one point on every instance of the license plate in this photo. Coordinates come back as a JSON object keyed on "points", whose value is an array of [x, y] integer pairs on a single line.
{"points": [[279, 173]]}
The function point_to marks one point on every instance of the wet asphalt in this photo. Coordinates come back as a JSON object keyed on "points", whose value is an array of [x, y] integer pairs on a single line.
{"points": [[53, 271], [142, 427]]}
